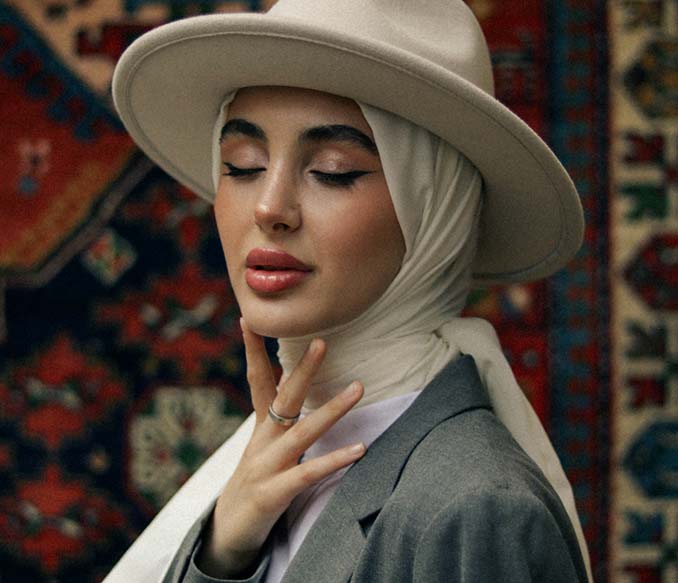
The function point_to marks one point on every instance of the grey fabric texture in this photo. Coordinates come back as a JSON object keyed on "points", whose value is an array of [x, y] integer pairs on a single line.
{"points": [[444, 495]]}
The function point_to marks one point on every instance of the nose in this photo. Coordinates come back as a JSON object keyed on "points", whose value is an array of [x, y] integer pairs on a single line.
{"points": [[278, 209]]}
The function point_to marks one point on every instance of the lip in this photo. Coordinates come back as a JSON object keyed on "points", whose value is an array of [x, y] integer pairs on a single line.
{"points": [[272, 270]]}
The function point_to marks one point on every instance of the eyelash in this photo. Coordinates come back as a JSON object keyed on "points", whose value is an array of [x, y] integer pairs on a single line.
{"points": [[240, 172], [343, 179]]}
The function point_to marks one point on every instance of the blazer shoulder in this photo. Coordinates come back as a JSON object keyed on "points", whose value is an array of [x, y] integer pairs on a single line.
{"points": [[496, 534], [473, 452], [470, 505], [469, 480]]}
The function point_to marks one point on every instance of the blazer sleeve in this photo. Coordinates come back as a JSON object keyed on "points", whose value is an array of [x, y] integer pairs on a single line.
{"points": [[500, 535], [184, 570]]}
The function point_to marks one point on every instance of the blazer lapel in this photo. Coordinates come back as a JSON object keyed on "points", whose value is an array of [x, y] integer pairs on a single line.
{"points": [[332, 546]]}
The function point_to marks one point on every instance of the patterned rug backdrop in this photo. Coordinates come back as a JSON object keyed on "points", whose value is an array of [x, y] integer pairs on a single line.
{"points": [[121, 365]]}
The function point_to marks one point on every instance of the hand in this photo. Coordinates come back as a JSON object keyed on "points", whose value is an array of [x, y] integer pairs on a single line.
{"points": [[268, 476]]}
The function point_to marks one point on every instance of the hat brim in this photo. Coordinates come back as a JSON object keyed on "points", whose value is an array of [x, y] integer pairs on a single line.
{"points": [[169, 85]]}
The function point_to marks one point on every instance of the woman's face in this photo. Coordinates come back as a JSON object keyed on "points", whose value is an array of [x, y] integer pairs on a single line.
{"points": [[305, 217]]}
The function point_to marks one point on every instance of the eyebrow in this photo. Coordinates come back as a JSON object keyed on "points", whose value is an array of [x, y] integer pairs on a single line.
{"points": [[324, 133], [339, 133], [241, 126]]}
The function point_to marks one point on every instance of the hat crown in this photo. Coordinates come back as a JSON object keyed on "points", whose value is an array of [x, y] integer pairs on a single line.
{"points": [[443, 32]]}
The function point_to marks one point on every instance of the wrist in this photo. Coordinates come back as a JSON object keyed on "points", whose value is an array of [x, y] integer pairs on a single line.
{"points": [[224, 559], [226, 564]]}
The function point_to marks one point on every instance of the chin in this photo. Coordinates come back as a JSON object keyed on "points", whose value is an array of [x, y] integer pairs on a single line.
{"points": [[279, 325], [291, 316]]}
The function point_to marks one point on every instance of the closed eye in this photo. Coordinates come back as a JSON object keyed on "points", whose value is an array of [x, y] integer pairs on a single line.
{"points": [[339, 179], [235, 171]]}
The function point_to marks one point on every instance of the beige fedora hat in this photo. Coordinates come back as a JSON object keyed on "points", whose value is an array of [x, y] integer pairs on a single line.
{"points": [[425, 60]]}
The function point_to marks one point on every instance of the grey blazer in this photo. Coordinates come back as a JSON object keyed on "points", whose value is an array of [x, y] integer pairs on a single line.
{"points": [[444, 495]]}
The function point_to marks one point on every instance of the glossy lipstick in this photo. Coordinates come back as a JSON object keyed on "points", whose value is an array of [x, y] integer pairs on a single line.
{"points": [[271, 270]]}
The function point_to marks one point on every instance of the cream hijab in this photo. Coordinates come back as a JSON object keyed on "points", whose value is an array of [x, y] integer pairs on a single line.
{"points": [[399, 343], [407, 336]]}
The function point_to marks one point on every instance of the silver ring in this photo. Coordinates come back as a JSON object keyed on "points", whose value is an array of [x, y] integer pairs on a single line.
{"points": [[280, 420]]}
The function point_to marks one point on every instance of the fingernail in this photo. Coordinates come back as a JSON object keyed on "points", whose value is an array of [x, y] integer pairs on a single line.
{"points": [[353, 389], [314, 346], [356, 449], [242, 324]]}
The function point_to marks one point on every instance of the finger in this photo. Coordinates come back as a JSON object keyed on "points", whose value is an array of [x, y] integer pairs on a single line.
{"points": [[292, 392], [259, 372], [300, 477], [301, 436]]}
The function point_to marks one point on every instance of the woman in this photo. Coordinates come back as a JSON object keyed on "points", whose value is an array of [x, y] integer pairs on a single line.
{"points": [[352, 228]]}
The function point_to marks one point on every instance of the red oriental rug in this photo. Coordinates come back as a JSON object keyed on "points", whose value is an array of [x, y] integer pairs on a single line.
{"points": [[121, 364]]}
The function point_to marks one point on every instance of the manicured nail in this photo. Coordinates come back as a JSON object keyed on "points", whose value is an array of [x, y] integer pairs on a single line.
{"points": [[314, 347], [356, 449]]}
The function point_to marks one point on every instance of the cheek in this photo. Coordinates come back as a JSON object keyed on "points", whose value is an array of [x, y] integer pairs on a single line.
{"points": [[229, 220], [368, 243], [386, 244], [382, 230]]}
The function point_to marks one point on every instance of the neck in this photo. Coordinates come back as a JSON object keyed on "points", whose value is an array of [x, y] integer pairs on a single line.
{"points": [[387, 365]]}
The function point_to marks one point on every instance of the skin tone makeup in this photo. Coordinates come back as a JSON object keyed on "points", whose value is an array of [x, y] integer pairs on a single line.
{"points": [[304, 214]]}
